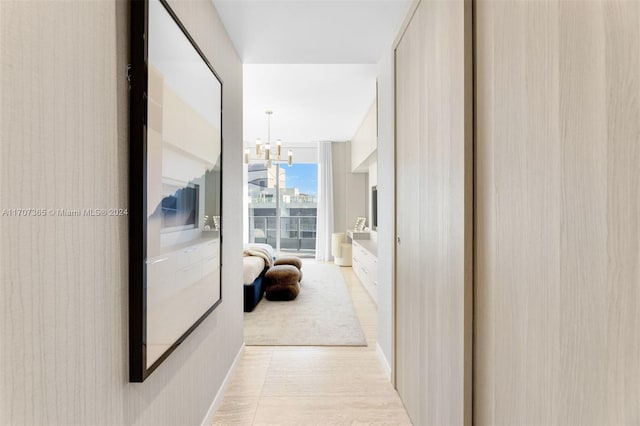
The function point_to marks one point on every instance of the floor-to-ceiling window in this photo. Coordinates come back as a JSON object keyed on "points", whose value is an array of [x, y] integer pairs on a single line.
{"points": [[283, 206]]}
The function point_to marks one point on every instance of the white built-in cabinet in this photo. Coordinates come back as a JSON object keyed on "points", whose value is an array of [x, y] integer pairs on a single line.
{"points": [[364, 144], [364, 262], [182, 280], [179, 268]]}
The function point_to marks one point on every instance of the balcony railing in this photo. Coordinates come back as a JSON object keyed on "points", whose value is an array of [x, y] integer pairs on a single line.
{"points": [[297, 233]]}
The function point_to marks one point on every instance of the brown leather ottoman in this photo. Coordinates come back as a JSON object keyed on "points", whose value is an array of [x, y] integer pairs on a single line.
{"points": [[290, 260], [281, 283]]}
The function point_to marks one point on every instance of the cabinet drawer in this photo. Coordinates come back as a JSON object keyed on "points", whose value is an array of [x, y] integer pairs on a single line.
{"points": [[365, 266], [365, 254], [188, 256], [189, 275], [210, 248], [161, 276], [159, 269], [371, 264], [357, 253], [355, 247], [209, 265]]}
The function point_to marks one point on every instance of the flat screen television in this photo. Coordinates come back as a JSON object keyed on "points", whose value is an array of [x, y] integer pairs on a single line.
{"points": [[179, 209]]}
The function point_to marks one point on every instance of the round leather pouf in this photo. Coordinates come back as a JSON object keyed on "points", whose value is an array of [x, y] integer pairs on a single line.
{"points": [[281, 283], [290, 260]]}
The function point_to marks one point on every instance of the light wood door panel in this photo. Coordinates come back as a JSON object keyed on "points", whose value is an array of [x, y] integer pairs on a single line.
{"points": [[557, 217], [408, 283], [433, 183]]}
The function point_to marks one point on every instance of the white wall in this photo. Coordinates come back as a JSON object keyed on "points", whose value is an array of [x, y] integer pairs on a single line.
{"points": [[349, 189], [64, 280], [385, 179]]}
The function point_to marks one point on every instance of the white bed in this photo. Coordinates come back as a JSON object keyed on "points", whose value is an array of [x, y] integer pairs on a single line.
{"points": [[256, 258], [252, 268], [265, 247]]}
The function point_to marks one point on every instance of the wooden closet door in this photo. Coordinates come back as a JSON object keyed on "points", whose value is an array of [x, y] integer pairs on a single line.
{"points": [[558, 212], [408, 269], [433, 214]]}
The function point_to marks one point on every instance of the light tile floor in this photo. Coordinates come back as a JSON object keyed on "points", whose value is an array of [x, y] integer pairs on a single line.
{"points": [[289, 385]]}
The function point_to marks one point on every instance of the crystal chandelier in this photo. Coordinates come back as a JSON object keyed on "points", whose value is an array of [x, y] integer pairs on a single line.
{"points": [[267, 154]]}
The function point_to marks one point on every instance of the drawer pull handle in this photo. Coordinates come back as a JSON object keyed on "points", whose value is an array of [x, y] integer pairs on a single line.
{"points": [[157, 261]]}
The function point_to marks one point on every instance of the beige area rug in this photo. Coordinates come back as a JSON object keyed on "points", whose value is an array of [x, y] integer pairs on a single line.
{"points": [[321, 315]]}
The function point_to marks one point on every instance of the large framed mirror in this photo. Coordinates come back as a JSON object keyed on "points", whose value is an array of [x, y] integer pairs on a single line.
{"points": [[175, 186]]}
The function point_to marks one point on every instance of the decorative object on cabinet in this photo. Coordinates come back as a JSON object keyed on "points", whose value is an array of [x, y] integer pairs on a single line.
{"points": [[174, 186], [360, 224]]}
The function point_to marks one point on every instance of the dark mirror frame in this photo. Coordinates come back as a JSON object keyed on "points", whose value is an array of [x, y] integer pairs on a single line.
{"points": [[138, 81]]}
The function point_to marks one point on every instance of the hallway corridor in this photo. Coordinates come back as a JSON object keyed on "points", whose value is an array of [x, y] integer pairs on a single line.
{"points": [[315, 385]]}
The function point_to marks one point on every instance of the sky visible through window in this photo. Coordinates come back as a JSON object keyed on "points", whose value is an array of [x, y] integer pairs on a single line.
{"points": [[303, 176]]}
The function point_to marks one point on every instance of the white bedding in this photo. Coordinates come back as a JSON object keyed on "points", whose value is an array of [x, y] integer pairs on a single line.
{"points": [[265, 247], [253, 266], [256, 257]]}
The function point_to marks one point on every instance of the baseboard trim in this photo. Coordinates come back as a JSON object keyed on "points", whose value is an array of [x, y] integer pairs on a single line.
{"points": [[383, 361], [217, 401]]}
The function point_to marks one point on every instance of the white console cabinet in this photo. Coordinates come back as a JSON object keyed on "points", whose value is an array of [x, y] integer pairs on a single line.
{"points": [[365, 265], [175, 270]]}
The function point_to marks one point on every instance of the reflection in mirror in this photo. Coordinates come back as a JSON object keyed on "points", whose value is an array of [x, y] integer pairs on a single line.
{"points": [[183, 185]]}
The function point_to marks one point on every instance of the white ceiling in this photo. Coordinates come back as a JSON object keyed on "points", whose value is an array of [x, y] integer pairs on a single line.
{"points": [[299, 58], [311, 31], [310, 103]]}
